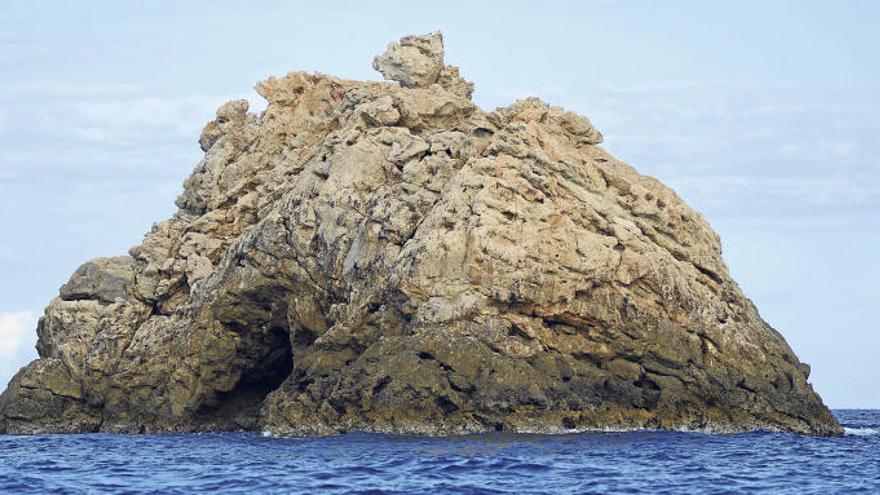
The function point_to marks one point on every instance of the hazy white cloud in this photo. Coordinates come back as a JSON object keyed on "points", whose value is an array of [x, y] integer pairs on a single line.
{"points": [[78, 133], [111, 113], [15, 328], [17, 339], [112, 119], [17, 17], [726, 191], [16, 51], [126, 119], [52, 88], [736, 149]]}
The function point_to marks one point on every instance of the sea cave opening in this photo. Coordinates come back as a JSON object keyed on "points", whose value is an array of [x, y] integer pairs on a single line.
{"points": [[270, 361]]}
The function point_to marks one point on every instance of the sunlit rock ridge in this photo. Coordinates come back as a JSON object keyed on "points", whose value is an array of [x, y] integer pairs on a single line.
{"points": [[387, 256]]}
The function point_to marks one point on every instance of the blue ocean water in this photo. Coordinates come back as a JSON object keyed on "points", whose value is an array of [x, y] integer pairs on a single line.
{"points": [[650, 462]]}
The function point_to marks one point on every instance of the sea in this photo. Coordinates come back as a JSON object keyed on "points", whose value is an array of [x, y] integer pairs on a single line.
{"points": [[596, 462]]}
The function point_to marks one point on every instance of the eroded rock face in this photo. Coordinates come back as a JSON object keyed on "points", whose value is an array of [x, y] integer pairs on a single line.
{"points": [[387, 256]]}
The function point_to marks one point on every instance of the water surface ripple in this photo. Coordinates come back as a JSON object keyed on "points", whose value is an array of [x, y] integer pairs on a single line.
{"points": [[649, 462]]}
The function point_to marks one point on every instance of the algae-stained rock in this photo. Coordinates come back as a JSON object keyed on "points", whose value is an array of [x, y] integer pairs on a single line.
{"points": [[387, 256], [101, 279]]}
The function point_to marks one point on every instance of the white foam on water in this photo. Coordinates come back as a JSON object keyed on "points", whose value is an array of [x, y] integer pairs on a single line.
{"points": [[268, 434], [860, 432]]}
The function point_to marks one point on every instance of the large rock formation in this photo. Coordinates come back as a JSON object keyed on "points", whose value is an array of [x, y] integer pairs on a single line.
{"points": [[387, 256]]}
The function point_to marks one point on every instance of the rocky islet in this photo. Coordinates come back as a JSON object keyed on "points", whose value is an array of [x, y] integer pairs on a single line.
{"points": [[387, 256]]}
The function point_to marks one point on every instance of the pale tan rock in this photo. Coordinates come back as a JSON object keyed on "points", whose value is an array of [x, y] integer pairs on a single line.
{"points": [[414, 62], [390, 257], [452, 82]]}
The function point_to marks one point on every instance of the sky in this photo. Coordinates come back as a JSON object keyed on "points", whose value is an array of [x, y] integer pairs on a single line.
{"points": [[763, 116]]}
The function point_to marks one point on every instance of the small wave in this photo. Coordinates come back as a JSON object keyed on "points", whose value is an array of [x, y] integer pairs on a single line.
{"points": [[245, 463], [860, 432], [268, 434]]}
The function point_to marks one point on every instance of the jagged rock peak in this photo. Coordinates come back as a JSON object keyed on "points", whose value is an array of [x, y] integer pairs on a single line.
{"points": [[390, 257], [417, 62], [414, 62]]}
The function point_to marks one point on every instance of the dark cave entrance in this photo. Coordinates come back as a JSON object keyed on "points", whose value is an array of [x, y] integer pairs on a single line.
{"points": [[274, 363], [269, 361]]}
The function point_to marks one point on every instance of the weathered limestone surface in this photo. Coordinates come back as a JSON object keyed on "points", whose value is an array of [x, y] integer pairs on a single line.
{"points": [[387, 256]]}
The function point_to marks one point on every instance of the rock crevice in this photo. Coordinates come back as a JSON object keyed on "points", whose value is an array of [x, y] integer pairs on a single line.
{"points": [[387, 256]]}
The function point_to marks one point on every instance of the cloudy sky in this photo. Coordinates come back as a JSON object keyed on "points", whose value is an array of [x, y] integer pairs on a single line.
{"points": [[764, 116]]}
